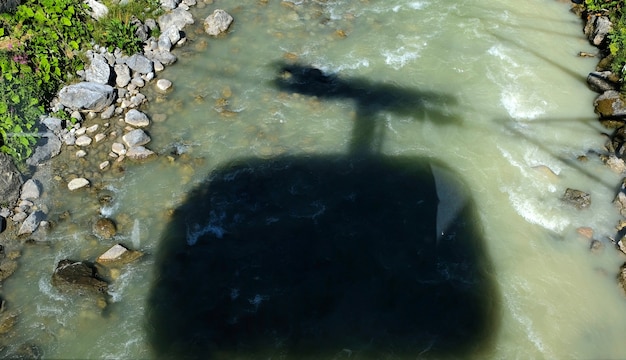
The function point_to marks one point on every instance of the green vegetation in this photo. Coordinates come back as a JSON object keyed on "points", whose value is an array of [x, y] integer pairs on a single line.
{"points": [[41, 47], [617, 38]]}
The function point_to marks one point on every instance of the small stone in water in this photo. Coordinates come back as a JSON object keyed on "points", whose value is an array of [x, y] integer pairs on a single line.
{"points": [[84, 140], [77, 183], [99, 137], [81, 153], [92, 128], [163, 85], [118, 148], [103, 165], [104, 228]]}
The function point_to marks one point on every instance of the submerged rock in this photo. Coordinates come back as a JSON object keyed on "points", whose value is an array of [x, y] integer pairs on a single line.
{"points": [[577, 198], [78, 275], [610, 104], [104, 228], [31, 223]]}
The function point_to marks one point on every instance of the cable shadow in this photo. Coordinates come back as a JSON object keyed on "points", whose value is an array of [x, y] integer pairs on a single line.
{"points": [[569, 162], [582, 79], [370, 99], [324, 257]]}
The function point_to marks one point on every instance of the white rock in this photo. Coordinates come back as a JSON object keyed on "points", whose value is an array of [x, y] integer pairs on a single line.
{"points": [[218, 22], [77, 183], [118, 148], [99, 137], [163, 85], [81, 153], [83, 140], [92, 129], [105, 164], [30, 190], [136, 118], [136, 138]]}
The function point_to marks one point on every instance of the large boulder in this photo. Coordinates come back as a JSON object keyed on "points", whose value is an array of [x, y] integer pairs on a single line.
{"points": [[48, 146], [597, 29], [178, 17], [10, 180], [218, 22], [98, 71], [78, 275], [610, 105], [87, 96], [140, 64], [601, 81]]}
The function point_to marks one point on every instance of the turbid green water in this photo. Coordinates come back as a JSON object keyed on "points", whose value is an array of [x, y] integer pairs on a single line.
{"points": [[376, 195]]}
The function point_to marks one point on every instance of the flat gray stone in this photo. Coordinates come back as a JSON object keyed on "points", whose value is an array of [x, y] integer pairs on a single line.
{"points": [[31, 223], [48, 146], [139, 153], [178, 17], [135, 138], [218, 22], [87, 96], [122, 75], [31, 190], [136, 118], [140, 64]]}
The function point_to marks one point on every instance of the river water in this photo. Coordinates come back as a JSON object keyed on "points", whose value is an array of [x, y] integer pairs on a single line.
{"points": [[352, 179]]}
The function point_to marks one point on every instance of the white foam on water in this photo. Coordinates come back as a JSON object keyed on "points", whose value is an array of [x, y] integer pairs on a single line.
{"points": [[525, 321], [403, 51], [519, 102], [195, 231], [531, 208], [135, 235]]}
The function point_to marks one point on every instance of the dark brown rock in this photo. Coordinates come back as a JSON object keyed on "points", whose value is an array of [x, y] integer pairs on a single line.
{"points": [[78, 275], [104, 228], [577, 198]]}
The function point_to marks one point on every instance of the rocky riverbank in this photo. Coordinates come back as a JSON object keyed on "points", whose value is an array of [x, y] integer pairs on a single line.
{"points": [[610, 106], [110, 130], [107, 129]]}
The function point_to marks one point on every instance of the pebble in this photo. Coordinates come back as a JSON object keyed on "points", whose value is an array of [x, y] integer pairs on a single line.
{"points": [[77, 183], [83, 140], [81, 153], [163, 85], [99, 137], [103, 165], [92, 129], [118, 148]]}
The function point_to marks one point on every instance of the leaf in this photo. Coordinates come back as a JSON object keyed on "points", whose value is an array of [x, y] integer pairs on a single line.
{"points": [[3, 108], [1, 31], [74, 45], [65, 21], [15, 98]]}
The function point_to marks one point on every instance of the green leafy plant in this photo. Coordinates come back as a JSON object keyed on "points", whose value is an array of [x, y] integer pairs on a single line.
{"points": [[39, 43], [120, 34]]}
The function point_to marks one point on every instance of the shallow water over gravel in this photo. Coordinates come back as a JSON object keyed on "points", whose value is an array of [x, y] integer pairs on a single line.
{"points": [[353, 138]]}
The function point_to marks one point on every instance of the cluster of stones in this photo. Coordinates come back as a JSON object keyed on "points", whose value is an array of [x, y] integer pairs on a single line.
{"points": [[109, 90], [610, 106]]}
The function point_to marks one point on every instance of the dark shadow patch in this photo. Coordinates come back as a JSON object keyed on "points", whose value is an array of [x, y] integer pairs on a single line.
{"points": [[370, 100], [321, 257]]}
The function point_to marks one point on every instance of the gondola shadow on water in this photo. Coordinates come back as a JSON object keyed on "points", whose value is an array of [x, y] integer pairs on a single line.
{"points": [[356, 255]]}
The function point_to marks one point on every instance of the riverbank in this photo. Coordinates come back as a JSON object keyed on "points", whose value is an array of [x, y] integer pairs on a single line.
{"points": [[232, 119]]}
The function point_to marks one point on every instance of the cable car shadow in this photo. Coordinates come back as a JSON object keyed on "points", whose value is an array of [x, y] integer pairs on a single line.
{"points": [[356, 255]]}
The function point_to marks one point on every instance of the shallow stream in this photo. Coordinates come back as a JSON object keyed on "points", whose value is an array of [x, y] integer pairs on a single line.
{"points": [[363, 179]]}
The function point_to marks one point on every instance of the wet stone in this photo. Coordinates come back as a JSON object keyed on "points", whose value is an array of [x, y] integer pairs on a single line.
{"points": [[579, 199], [104, 228], [77, 183]]}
